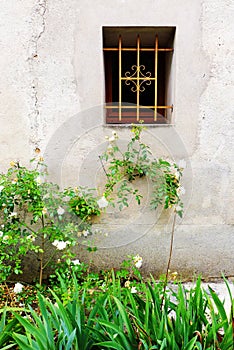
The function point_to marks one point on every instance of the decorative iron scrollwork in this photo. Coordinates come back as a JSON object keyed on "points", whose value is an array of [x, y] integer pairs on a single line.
{"points": [[137, 78]]}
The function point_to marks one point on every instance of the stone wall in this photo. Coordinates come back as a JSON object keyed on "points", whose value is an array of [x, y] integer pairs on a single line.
{"points": [[52, 95]]}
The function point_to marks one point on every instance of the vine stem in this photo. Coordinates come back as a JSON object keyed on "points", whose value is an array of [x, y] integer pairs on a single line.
{"points": [[41, 261], [42, 253], [169, 258], [103, 167]]}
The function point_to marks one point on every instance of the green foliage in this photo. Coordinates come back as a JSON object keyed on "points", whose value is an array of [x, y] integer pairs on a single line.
{"points": [[83, 202], [57, 326], [35, 215], [123, 167], [187, 322], [8, 325], [117, 318]]}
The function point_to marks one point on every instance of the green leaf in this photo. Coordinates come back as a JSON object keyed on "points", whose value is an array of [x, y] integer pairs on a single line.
{"points": [[190, 344], [111, 345], [220, 308], [22, 341]]}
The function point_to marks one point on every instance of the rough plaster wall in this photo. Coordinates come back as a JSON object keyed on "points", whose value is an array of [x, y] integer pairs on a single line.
{"points": [[216, 137], [14, 86], [42, 84], [38, 87]]}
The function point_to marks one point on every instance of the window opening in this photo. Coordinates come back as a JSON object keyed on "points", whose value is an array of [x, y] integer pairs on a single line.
{"points": [[136, 74]]}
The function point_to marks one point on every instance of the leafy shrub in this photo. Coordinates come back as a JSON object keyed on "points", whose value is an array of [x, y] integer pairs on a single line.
{"points": [[36, 215]]}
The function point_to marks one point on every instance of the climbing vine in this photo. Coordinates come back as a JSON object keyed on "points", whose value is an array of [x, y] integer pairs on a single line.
{"points": [[123, 167]]}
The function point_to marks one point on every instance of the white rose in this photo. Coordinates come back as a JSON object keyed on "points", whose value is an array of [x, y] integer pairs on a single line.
{"points": [[181, 190], [60, 211], [111, 139], [18, 288], [137, 261], [76, 262], [102, 202], [13, 214], [44, 211], [38, 180], [138, 264], [133, 290], [31, 238], [85, 233], [60, 245]]}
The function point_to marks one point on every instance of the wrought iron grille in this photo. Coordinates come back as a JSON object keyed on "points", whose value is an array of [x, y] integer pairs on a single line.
{"points": [[138, 78]]}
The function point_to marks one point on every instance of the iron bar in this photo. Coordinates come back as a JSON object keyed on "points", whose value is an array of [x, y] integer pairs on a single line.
{"points": [[156, 77], [123, 106], [138, 76], [120, 74], [135, 49], [132, 78]]}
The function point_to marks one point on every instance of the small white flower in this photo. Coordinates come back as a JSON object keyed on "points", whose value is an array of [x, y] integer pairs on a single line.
{"points": [[60, 245], [110, 149], [111, 139], [133, 290], [181, 190], [44, 211], [38, 180], [31, 238], [102, 202], [1, 233], [138, 264], [177, 174], [76, 262], [18, 288], [138, 261], [13, 214], [127, 284], [1, 188], [60, 211], [5, 238], [85, 233]]}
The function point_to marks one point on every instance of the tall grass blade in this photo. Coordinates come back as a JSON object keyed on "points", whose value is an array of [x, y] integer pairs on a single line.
{"points": [[220, 308]]}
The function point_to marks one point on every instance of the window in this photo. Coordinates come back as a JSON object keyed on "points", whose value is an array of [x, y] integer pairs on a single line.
{"points": [[138, 74]]}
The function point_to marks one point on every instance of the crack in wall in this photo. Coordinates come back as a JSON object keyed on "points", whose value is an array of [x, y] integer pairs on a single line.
{"points": [[37, 28]]}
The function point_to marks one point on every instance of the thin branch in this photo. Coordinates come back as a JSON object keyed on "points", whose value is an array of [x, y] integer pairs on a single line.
{"points": [[171, 245], [169, 259], [100, 158]]}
